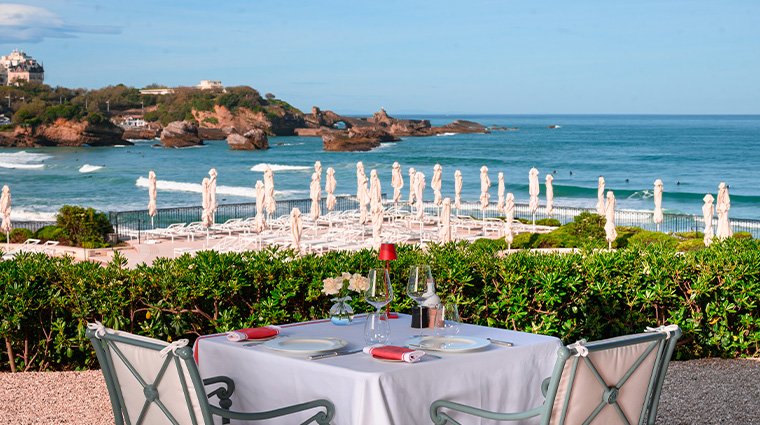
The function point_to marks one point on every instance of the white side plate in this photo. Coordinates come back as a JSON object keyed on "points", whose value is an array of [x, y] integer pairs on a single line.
{"points": [[447, 343], [306, 345]]}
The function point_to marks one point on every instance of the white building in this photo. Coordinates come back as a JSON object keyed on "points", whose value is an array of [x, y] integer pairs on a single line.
{"points": [[210, 85], [133, 122], [19, 66]]}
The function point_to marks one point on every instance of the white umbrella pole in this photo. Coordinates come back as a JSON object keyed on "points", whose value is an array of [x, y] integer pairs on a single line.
{"points": [[534, 222], [658, 227], [151, 223], [610, 246]]}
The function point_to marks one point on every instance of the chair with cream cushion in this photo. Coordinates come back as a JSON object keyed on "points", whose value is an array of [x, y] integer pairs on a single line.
{"points": [[607, 382], [154, 382]]}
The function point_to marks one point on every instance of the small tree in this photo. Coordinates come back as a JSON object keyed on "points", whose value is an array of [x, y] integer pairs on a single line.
{"points": [[269, 96], [83, 226]]}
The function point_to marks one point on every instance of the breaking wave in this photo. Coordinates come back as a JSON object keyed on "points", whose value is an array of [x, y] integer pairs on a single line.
{"points": [[277, 167], [87, 168]]}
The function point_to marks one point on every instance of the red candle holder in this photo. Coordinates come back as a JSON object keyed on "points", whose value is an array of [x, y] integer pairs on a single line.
{"points": [[388, 253]]}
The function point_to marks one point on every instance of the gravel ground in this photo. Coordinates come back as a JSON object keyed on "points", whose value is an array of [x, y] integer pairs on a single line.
{"points": [[707, 391]]}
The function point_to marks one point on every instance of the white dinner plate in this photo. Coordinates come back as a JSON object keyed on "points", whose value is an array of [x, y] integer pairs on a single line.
{"points": [[314, 344], [448, 343]]}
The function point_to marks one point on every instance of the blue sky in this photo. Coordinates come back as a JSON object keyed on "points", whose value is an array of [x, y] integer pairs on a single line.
{"points": [[512, 57]]}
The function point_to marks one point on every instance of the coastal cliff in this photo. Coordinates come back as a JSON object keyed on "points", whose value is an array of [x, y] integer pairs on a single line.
{"points": [[274, 120], [63, 132]]}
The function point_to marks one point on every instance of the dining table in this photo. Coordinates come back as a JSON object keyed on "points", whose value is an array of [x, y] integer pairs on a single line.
{"points": [[366, 390]]}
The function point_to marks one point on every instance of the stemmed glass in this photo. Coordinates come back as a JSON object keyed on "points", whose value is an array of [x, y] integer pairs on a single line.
{"points": [[419, 286], [379, 293], [447, 320]]}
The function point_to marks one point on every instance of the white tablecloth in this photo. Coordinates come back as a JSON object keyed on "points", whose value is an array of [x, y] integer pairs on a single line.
{"points": [[367, 391]]}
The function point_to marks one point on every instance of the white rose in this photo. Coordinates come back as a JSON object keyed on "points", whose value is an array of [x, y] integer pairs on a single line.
{"points": [[331, 286]]}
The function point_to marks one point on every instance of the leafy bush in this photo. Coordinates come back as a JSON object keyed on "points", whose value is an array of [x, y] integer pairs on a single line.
{"points": [[691, 245], [589, 227], [690, 235], [648, 238], [548, 222], [52, 232], [45, 302], [742, 235], [211, 120], [83, 226], [20, 235], [151, 116]]}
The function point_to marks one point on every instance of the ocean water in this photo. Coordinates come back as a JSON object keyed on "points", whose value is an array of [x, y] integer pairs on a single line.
{"points": [[691, 154]]}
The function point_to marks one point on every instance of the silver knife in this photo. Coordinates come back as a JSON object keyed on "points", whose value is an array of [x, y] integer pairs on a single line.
{"points": [[500, 342], [334, 354]]}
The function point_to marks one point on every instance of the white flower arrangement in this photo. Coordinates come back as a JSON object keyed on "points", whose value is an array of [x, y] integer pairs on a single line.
{"points": [[335, 285]]}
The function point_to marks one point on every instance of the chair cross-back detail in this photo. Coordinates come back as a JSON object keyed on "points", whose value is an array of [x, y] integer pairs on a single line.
{"points": [[154, 382], [609, 382]]}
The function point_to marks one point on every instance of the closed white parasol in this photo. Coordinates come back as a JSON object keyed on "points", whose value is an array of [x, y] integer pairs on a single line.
{"points": [[609, 214], [208, 213], [260, 199], [269, 202], [330, 186], [419, 190], [5, 209], [152, 192], [485, 183], [500, 192], [363, 192], [457, 190], [708, 212], [397, 181], [377, 224], [212, 191], [722, 207], [534, 189], [375, 190], [446, 221], [412, 188], [435, 184], [657, 218], [549, 195], [509, 211], [296, 227], [315, 193], [600, 197]]}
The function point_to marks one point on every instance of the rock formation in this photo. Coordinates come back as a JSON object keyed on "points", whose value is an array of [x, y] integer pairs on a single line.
{"points": [[180, 134], [274, 119], [252, 140], [331, 142], [140, 133], [64, 132]]}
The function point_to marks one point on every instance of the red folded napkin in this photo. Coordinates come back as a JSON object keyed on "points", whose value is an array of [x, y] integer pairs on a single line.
{"points": [[392, 352], [253, 333]]}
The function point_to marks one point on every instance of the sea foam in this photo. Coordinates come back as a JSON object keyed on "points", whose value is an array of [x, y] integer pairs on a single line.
{"points": [[22, 160], [87, 168], [277, 167], [242, 191]]}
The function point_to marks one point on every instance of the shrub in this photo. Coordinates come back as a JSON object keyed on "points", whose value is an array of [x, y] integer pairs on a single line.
{"points": [[548, 222], [211, 120], [742, 235], [589, 227], [648, 238], [52, 232], [691, 245], [20, 235], [690, 235], [84, 226]]}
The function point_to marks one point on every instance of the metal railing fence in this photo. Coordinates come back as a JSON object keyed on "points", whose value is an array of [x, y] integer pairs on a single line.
{"points": [[126, 223]]}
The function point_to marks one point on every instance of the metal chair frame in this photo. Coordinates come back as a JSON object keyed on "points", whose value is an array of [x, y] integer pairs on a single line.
{"points": [[663, 342], [104, 344]]}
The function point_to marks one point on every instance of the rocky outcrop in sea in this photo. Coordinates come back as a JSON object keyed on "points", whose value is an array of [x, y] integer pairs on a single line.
{"points": [[180, 134], [64, 132]]}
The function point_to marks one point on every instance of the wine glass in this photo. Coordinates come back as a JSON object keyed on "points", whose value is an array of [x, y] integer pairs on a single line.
{"points": [[420, 283], [447, 320], [379, 292], [377, 329]]}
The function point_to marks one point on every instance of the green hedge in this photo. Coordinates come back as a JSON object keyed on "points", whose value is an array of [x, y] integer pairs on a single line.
{"points": [[711, 293]]}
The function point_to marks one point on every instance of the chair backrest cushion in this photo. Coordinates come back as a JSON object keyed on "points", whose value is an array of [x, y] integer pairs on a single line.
{"points": [[587, 393], [182, 403]]}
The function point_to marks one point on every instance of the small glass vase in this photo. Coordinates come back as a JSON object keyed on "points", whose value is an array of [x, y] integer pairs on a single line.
{"points": [[341, 313]]}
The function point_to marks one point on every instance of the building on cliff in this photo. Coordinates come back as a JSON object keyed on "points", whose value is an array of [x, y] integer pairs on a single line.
{"points": [[204, 85], [19, 66]]}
